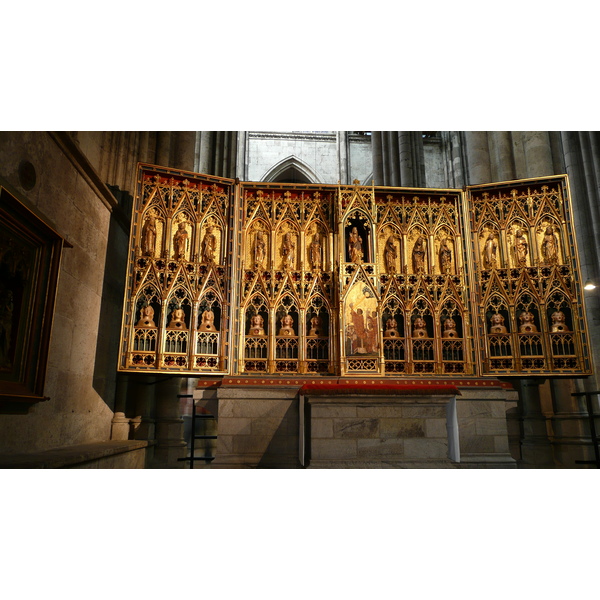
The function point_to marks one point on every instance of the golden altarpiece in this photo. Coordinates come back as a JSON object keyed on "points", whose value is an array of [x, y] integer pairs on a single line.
{"points": [[229, 277]]}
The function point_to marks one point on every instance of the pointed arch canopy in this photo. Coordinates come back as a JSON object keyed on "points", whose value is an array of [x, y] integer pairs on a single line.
{"points": [[291, 170]]}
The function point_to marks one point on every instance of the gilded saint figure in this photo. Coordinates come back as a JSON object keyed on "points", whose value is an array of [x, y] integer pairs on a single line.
{"points": [[418, 255], [527, 323], [207, 321], [256, 325], [260, 250], [390, 254], [180, 241], [550, 246], [391, 328], [497, 324], [490, 250], [146, 317], [208, 246], [419, 328], [315, 326], [149, 236], [358, 320], [355, 248], [371, 333], [287, 325], [559, 322], [449, 329], [288, 251], [314, 252], [521, 248], [177, 319], [445, 255]]}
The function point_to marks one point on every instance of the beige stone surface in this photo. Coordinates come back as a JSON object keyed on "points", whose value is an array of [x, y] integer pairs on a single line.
{"points": [[421, 412], [402, 428], [333, 410], [425, 448], [330, 449], [491, 426], [355, 428], [436, 428], [380, 448], [235, 426], [321, 428]]}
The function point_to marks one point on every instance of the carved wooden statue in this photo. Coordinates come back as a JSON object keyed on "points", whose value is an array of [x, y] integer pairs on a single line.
{"points": [[559, 322], [288, 251], [497, 324], [209, 246], [445, 255], [355, 249], [260, 250], [208, 321], [418, 255], [527, 323], [390, 255], [177, 319], [449, 330], [287, 325], [315, 326], [391, 328], [521, 249], [314, 253], [550, 246], [256, 325], [149, 237], [419, 328], [180, 241], [490, 250], [146, 317]]}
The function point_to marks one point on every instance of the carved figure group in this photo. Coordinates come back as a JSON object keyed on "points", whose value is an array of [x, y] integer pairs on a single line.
{"points": [[180, 240], [364, 325]]}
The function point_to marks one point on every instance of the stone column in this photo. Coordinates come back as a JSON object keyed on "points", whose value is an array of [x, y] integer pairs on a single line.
{"points": [[163, 148], [242, 158], [536, 450], [377, 151], [502, 162], [538, 153], [478, 157], [406, 159], [169, 425], [206, 145], [341, 140], [185, 145], [392, 155]]}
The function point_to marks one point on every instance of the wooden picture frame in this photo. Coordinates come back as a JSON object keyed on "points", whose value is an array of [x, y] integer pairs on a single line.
{"points": [[30, 254]]}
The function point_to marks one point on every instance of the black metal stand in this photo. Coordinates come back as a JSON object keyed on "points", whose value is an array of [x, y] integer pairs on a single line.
{"points": [[191, 458], [591, 416]]}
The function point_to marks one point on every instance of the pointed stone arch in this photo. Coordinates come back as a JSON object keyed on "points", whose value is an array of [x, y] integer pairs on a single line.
{"points": [[292, 168]]}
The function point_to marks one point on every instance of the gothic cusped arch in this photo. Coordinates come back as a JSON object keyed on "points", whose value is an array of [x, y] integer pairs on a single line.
{"points": [[292, 169]]}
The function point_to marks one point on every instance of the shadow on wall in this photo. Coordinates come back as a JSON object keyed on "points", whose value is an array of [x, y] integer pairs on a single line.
{"points": [[282, 451], [111, 305]]}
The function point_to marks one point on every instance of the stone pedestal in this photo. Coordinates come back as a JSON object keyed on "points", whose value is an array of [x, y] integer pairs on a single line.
{"points": [[378, 432], [169, 425]]}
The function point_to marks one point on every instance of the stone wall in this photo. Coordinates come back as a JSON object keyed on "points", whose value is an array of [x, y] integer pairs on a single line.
{"points": [[78, 207]]}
